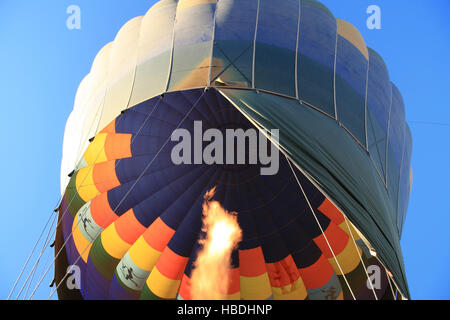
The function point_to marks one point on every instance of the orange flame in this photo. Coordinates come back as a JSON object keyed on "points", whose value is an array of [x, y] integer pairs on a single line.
{"points": [[210, 276]]}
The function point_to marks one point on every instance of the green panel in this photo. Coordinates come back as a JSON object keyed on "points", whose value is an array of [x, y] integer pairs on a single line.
{"points": [[147, 294], [74, 201], [104, 263]]}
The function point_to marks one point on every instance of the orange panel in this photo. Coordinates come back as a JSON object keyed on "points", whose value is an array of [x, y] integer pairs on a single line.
{"points": [[101, 211], [129, 228], [171, 265], [251, 262], [318, 274], [104, 175], [118, 146], [110, 128], [158, 235]]}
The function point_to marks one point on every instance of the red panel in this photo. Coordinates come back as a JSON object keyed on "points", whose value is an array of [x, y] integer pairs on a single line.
{"points": [[328, 209], [251, 262], [171, 265], [283, 273], [318, 274], [337, 238]]}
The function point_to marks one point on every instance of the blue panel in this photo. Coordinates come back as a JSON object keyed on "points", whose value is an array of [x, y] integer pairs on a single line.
{"points": [[351, 75], [379, 90], [233, 42], [276, 43], [316, 52]]}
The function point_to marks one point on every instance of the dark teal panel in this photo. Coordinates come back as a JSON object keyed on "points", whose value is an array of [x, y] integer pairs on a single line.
{"points": [[376, 143], [396, 143], [378, 108], [405, 185], [397, 126], [340, 166], [393, 177]]}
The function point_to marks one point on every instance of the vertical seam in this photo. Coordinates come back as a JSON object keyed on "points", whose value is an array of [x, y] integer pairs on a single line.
{"points": [[212, 44], [254, 45], [296, 49], [387, 139], [334, 76], [169, 73]]}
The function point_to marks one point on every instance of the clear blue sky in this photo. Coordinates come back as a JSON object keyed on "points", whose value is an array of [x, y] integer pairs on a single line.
{"points": [[42, 63]]}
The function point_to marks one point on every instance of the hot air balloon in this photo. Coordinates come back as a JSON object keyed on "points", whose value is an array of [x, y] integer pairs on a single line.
{"points": [[327, 225]]}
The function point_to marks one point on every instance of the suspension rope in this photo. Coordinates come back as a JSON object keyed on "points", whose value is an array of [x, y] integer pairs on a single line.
{"points": [[132, 187], [29, 257], [65, 212], [390, 284], [320, 227], [360, 258], [31, 274]]}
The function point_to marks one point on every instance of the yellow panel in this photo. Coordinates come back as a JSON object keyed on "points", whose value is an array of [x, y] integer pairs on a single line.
{"points": [[81, 243], [349, 32], [95, 153], [348, 259], [197, 78], [85, 184], [234, 296], [344, 226], [256, 288], [143, 255], [161, 286], [184, 4], [410, 177], [113, 244], [295, 291]]}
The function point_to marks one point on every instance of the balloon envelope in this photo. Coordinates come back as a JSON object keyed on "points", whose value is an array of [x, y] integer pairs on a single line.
{"points": [[131, 218]]}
